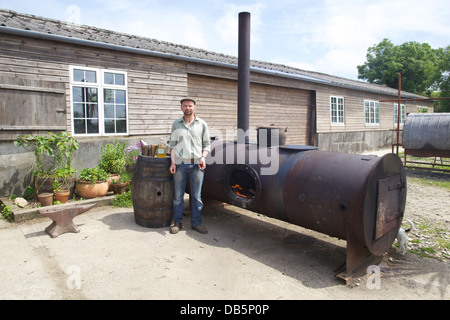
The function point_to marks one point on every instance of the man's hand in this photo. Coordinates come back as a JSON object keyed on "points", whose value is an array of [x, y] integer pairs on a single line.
{"points": [[202, 164], [173, 168]]}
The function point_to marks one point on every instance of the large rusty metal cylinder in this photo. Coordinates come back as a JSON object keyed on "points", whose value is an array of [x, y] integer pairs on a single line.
{"points": [[357, 198], [427, 131]]}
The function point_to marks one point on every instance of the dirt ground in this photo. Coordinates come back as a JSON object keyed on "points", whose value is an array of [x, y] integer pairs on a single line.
{"points": [[244, 256]]}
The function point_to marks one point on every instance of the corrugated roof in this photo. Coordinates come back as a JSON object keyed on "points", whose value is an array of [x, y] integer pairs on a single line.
{"points": [[11, 19]]}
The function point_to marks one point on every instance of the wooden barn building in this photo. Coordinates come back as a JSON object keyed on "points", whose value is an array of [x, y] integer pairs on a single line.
{"points": [[102, 85]]}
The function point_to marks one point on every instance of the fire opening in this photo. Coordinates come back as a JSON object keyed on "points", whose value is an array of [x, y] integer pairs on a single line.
{"points": [[242, 184]]}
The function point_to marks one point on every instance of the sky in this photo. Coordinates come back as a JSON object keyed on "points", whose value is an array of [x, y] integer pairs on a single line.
{"points": [[329, 36]]}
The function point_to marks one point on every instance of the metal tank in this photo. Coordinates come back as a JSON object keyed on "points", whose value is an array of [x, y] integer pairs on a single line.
{"points": [[427, 132], [357, 198], [354, 197]]}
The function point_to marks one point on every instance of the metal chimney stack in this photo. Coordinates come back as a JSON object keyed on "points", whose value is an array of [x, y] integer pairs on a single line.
{"points": [[243, 77]]}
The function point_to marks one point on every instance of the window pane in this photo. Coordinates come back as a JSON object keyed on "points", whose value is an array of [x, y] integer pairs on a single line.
{"points": [[108, 95], [377, 112], [341, 110], [372, 112], [78, 110], [92, 126], [92, 111], [120, 96], [78, 75], [91, 95], [79, 126], [90, 76], [109, 78], [121, 111], [119, 79], [121, 126], [77, 94], [109, 126], [109, 111], [366, 111], [114, 78]]}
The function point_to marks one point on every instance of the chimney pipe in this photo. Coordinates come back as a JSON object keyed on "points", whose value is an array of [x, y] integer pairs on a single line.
{"points": [[243, 77]]}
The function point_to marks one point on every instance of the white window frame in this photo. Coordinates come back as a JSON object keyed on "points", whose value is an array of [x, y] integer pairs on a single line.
{"points": [[338, 118], [402, 113], [371, 113], [100, 85]]}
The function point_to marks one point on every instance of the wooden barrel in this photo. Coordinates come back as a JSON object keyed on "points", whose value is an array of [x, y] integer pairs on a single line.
{"points": [[152, 192]]}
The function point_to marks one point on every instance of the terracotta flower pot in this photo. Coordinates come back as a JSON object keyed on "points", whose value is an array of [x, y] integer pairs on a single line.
{"points": [[88, 190], [45, 199], [113, 178], [61, 195], [118, 188]]}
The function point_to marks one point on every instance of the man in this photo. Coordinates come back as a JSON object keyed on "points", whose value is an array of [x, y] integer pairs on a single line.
{"points": [[189, 145]]}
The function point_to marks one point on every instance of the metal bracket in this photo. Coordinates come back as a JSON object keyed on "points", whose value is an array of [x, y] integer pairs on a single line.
{"points": [[358, 259]]}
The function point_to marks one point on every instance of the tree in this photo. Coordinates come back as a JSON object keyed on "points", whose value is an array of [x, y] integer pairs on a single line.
{"points": [[443, 83], [421, 66], [381, 65]]}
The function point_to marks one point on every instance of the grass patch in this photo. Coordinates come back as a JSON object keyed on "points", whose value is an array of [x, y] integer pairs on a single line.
{"points": [[429, 178], [422, 172], [430, 239]]}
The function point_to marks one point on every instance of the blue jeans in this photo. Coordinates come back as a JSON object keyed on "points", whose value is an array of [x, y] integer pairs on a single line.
{"points": [[195, 188]]}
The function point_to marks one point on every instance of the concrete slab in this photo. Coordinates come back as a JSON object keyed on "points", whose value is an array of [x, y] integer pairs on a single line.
{"points": [[244, 256]]}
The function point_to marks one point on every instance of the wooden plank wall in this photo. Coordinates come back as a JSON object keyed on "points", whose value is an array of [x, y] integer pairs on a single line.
{"points": [[155, 85], [34, 73], [354, 110], [269, 105], [30, 106]]}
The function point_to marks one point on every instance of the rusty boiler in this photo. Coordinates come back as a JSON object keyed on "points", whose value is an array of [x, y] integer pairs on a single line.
{"points": [[358, 198]]}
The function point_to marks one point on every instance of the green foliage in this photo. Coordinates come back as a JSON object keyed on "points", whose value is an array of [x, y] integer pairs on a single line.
{"points": [[112, 158], [132, 153], [28, 193], [444, 84], [123, 200], [63, 178], [421, 67], [7, 213], [93, 175], [52, 152], [124, 177]]}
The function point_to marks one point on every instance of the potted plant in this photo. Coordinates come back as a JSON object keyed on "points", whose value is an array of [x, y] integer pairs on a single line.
{"points": [[119, 187], [63, 183], [131, 155], [112, 160], [45, 199], [52, 152], [92, 183]]}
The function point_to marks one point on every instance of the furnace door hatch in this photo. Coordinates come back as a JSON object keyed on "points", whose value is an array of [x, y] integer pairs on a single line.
{"points": [[388, 204]]}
